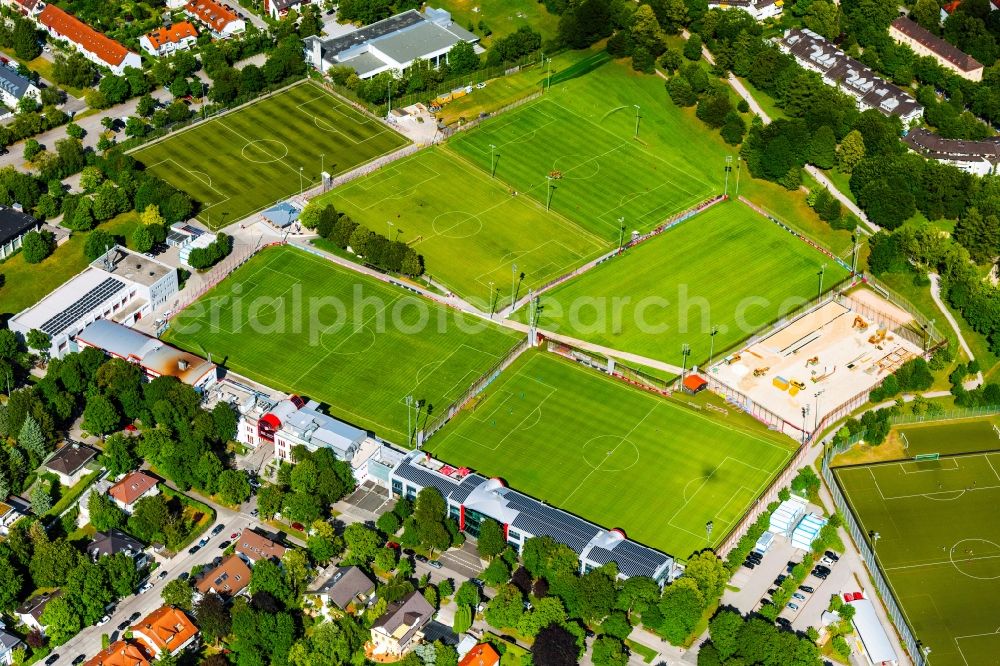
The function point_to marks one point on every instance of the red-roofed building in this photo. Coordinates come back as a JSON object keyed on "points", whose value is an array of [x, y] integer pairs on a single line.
{"points": [[98, 48], [133, 488], [279, 8], [481, 655], [220, 19], [25, 7], [165, 41], [694, 383], [119, 653], [167, 630]]}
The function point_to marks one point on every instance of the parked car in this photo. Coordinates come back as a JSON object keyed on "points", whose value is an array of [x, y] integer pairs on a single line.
{"points": [[162, 575], [420, 558], [217, 530], [146, 587], [234, 535], [104, 620], [254, 513], [780, 579], [820, 574], [409, 552], [799, 596], [790, 566], [794, 607], [749, 565], [478, 583], [298, 526], [184, 575], [822, 569], [123, 626], [392, 544], [225, 544], [203, 542], [53, 658], [783, 622], [79, 659], [832, 556], [194, 549], [435, 564], [807, 589]]}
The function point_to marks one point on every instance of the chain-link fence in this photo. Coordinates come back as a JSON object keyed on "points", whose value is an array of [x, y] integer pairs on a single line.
{"points": [[950, 415]]}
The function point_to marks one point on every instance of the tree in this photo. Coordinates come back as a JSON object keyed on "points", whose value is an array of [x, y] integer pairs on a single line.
{"points": [[496, 573], [609, 651], [385, 559], [75, 131], [692, 47], [823, 17], [733, 128], [39, 341], [98, 242], [388, 523], [37, 245], [823, 148], [681, 606], [11, 583], [681, 92], [118, 456], [646, 32], [142, 239], [146, 106], [724, 629], [491, 539], [323, 542], [928, 14], [269, 577], [545, 612], [270, 500], [555, 646], [61, 621], [234, 488], [505, 608], [467, 595], [104, 513], [31, 439], [462, 58], [852, 151], [32, 149], [709, 572], [100, 416], [25, 40], [462, 621], [150, 216], [596, 594], [213, 617]]}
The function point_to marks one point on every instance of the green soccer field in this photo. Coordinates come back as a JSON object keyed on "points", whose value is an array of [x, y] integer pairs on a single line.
{"points": [[244, 161], [727, 267], [584, 129], [300, 324], [468, 227], [939, 546], [618, 456], [961, 436]]}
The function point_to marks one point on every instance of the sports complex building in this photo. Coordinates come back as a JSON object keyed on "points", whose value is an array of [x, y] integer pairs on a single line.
{"points": [[121, 285]]}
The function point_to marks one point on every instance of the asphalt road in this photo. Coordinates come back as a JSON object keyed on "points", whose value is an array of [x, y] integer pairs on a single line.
{"points": [[88, 641]]}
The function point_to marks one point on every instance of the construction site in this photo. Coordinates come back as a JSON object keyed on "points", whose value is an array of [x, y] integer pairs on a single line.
{"points": [[821, 364]]}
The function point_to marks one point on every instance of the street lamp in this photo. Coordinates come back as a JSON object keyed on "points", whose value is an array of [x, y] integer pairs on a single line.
{"points": [[491, 299], [322, 164], [513, 285], [822, 273], [816, 416], [708, 531], [711, 353], [805, 413], [636, 120], [685, 352], [493, 168], [621, 234], [548, 192], [409, 423], [728, 168], [300, 180], [874, 537]]}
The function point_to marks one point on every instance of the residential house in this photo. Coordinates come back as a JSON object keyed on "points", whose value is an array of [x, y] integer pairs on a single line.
{"points": [[923, 42], [9, 514], [115, 541], [850, 76], [348, 590], [390, 45], [482, 654], [97, 47], [30, 612], [976, 157], [8, 643], [169, 39], [227, 580], [165, 631], [70, 463], [132, 488], [400, 629], [30, 8], [279, 8], [761, 10], [119, 653], [221, 19], [13, 87], [253, 547], [13, 226]]}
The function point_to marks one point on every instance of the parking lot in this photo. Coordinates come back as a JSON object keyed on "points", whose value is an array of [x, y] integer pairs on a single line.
{"points": [[366, 503]]}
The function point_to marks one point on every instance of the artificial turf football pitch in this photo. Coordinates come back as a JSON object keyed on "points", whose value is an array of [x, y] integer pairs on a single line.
{"points": [[241, 162], [301, 324], [657, 467], [728, 267], [939, 543]]}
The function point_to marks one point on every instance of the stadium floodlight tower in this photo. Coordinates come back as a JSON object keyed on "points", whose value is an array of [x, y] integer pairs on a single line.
{"points": [[805, 413], [621, 233], [708, 531], [637, 116], [711, 347], [685, 352], [492, 300], [410, 402], [548, 192], [300, 180], [728, 169], [822, 274], [513, 285], [493, 166], [874, 536], [816, 395]]}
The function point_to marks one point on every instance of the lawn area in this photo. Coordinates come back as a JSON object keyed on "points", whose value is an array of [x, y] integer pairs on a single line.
{"points": [[582, 135], [728, 267], [23, 284], [939, 542], [301, 324], [469, 240], [241, 162], [44, 67], [655, 467], [502, 16]]}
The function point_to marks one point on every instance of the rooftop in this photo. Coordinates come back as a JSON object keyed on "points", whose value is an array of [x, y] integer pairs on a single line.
{"points": [[227, 580], [212, 13], [405, 617], [70, 458], [36, 604], [14, 223], [14, 83], [132, 266], [282, 214], [165, 630], [132, 487], [113, 542], [935, 146], [258, 547], [346, 585], [319, 429], [481, 655], [872, 633], [75, 30], [942, 48], [172, 34], [64, 307], [119, 653]]}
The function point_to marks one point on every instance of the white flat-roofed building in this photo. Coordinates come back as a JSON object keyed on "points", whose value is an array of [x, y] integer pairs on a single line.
{"points": [[309, 427], [761, 10], [121, 285], [873, 637]]}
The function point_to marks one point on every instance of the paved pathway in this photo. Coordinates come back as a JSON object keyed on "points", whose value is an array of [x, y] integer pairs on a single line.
{"points": [[936, 295]]}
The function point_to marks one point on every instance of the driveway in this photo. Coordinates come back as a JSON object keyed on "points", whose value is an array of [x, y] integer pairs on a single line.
{"points": [[365, 504]]}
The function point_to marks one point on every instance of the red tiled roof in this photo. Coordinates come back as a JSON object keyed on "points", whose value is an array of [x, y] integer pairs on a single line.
{"points": [[952, 6], [481, 655], [75, 30], [944, 49], [257, 546], [164, 630], [132, 487], [119, 653], [171, 35], [227, 580], [211, 13], [694, 382]]}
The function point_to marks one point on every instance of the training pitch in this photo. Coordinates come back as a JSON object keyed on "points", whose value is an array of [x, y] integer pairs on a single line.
{"points": [[300, 324], [728, 267], [241, 162], [939, 543], [658, 468]]}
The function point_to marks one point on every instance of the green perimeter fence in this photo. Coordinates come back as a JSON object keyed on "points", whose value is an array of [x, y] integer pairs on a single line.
{"points": [[950, 415], [885, 591]]}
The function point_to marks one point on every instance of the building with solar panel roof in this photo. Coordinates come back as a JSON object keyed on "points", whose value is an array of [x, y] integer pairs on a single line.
{"points": [[121, 285], [471, 497]]}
